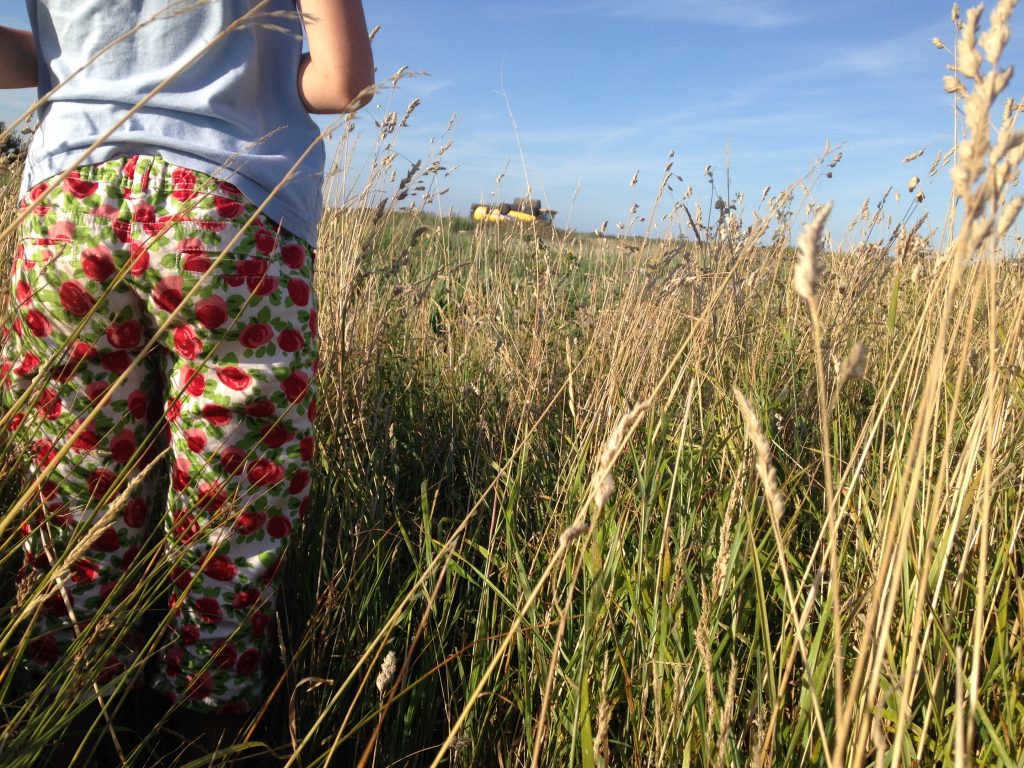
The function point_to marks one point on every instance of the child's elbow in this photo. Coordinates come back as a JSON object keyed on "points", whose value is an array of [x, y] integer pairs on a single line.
{"points": [[360, 90], [333, 91]]}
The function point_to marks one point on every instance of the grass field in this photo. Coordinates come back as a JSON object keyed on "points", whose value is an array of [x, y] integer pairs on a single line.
{"points": [[588, 501]]}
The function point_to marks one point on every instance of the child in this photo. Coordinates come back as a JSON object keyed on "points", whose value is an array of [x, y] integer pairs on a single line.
{"points": [[162, 283]]}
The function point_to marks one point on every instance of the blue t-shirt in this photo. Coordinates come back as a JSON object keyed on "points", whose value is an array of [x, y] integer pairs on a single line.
{"points": [[234, 113]]}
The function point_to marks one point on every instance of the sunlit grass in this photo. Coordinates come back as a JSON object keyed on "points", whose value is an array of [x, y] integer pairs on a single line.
{"points": [[638, 501]]}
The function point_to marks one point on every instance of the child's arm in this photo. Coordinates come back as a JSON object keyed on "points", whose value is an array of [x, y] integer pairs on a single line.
{"points": [[17, 59], [339, 64]]}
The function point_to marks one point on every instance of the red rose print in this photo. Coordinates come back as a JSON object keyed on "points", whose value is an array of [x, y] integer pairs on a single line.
{"points": [[311, 411], [279, 526], [209, 610], [107, 541], [248, 662], [61, 231], [224, 654], [275, 435], [111, 669], [290, 340], [129, 557], [75, 299], [293, 255], [95, 390], [97, 263], [55, 604], [245, 598], [145, 214], [180, 476], [184, 184], [107, 588], [189, 633], [84, 571], [140, 259], [196, 261], [227, 208], [248, 522], [265, 287], [298, 290], [126, 335], [220, 568], [23, 292], [192, 381], [182, 578], [187, 344], [44, 451], [44, 649], [100, 481], [137, 403], [233, 377], [199, 686], [212, 311], [173, 411], [122, 230], [185, 527], [211, 496], [265, 241], [303, 506], [122, 446], [195, 439], [260, 409], [217, 415], [80, 350], [28, 365], [37, 323], [172, 661], [312, 323], [307, 448], [86, 441], [256, 335], [254, 270], [116, 362], [135, 513], [167, 293], [75, 186], [48, 489], [299, 481], [59, 516], [265, 472], [259, 621], [295, 386], [231, 459], [105, 211]]}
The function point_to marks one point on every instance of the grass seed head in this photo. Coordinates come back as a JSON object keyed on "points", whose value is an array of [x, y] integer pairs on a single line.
{"points": [[808, 268], [387, 672], [852, 367]]}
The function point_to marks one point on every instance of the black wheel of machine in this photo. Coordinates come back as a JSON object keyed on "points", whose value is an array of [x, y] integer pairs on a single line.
{"points": [[504, 208]]}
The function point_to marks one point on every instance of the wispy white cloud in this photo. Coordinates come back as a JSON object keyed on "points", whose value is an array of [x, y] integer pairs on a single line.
{"points": [[756, 14], [887, 57]]}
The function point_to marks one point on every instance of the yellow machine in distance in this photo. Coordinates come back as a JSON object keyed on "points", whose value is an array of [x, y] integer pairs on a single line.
{"points": [[521, 210]]}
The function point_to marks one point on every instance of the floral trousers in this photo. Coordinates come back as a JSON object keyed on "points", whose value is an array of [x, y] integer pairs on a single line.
{"points": [[152, 326]]}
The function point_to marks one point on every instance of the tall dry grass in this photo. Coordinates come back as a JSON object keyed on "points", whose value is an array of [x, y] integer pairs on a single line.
{"points": [[592, 501]]}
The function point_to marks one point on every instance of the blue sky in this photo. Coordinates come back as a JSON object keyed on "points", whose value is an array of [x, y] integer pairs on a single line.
{"points": [[601, 89]]}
